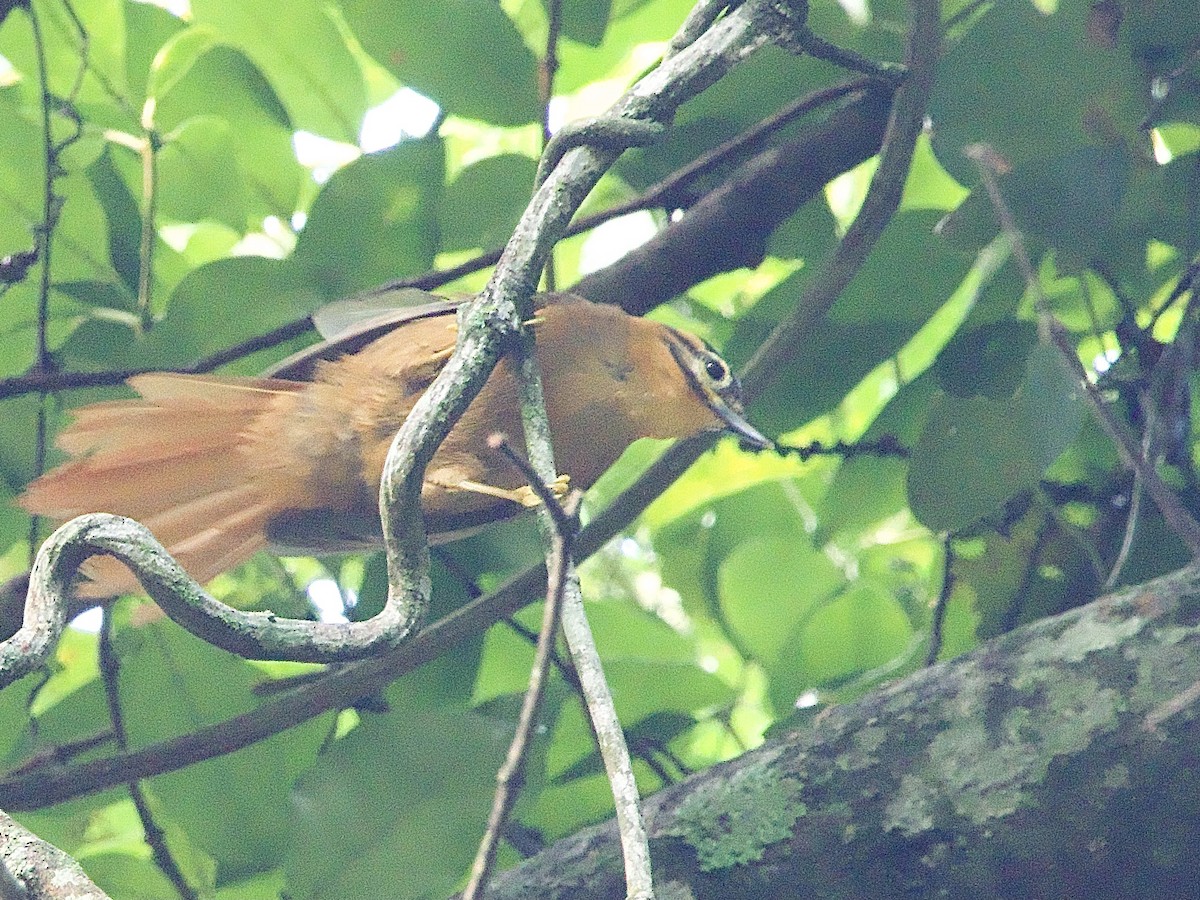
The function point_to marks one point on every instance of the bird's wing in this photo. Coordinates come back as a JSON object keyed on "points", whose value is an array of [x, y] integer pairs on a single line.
{"points": [[349, 325]]}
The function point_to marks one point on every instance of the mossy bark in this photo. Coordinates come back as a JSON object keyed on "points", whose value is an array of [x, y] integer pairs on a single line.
{"points": [[1058, 761]]}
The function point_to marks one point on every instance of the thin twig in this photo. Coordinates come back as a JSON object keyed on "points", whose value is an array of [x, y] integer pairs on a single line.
{"points": [[938, 618], [886, 445], [561, 664], [156, 838], [50, 202], [547, 69], [511, 775], [550, 503], [1135, 503], [63, 753]]}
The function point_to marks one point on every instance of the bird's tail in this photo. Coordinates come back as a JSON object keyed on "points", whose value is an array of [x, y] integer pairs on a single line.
{"points": [[173, 461]]}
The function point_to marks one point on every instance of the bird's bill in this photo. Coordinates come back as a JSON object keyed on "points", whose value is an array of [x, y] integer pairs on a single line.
{"points": [[736, 423]]}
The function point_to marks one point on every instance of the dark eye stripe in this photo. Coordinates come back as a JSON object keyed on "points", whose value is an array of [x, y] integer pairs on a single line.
{"points": [[688, 349]]}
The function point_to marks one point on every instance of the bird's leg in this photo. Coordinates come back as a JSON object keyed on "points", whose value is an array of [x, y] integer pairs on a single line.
{"points": [[524, 495]]}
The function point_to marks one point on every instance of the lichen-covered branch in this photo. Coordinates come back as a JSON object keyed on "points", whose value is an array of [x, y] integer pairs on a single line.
{"points": [[1056, 761], [254, 635], [31, 869]]}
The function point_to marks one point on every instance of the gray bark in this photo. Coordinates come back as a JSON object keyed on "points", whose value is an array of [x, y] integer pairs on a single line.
{"points": [[1058, 761]]}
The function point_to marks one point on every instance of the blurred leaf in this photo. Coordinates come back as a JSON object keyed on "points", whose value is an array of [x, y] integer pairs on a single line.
{"points": [[199, 176], [866, 489], [373, 824], [104, 71], [267, 293], [1162, 204], [1051, 89], [1069, 201], [695, 545], [166, 679], [133, 877], [299, 48], [987, 361], [1162, 34], [225, 83], [427, 45], [860, 630], [484, 202], [623, 630], [977, 453], [123, 217], [17, 464], [177, 56], [929, 186], [375, 220], [585, 20], [768, 588], [632, 25], [148, 30], [14, 716], [908, 276]]}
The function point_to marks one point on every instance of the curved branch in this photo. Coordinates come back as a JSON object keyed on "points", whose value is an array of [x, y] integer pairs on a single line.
{"points": [[253, 635], [883, 197], [732, 224]]}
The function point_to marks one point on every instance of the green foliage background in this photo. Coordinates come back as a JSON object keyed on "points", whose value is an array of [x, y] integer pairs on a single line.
{"points": [[756, 579]]}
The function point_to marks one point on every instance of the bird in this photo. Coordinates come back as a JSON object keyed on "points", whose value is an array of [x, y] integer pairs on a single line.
{"points": [[221, 467]]}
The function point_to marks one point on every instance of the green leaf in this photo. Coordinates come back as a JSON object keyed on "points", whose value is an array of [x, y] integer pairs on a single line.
{"points": [[976, 453], [1069, 201], [166, 689], [225, 83], [865, 490], [148, 29], [426, 45], [860, 630], [267, 293], [124, 218], [375, 220], [373, 824], [585, 20], [199, 176], [485, 201], [988, 361], [694, 545], [177, 56], [768, 587], [298, 46], [908, 276], [1161, 205], [1051, 88], [103, 21], [14, 716], [133, 877]]}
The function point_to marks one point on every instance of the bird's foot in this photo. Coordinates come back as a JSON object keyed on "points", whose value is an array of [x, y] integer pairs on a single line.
{"points": [[524, 495]]}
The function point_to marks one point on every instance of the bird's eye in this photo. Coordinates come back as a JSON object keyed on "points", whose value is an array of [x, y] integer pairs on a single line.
{"points": [[715, 369]]}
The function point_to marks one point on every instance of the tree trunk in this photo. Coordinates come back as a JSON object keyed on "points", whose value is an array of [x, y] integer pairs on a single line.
{"points": [[1058, 761]]}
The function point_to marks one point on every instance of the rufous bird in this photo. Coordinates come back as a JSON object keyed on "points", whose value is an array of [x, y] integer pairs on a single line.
{"points": [[219, 468]]}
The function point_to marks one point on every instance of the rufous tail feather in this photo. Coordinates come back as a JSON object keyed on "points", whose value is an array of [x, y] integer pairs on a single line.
{"points": [[172, 461]]}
